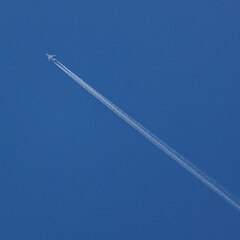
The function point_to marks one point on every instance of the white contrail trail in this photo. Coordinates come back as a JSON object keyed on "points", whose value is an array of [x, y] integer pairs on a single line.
{"points": [[155, 140]]}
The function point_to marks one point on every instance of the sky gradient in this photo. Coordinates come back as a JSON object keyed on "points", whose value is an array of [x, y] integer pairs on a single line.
{"points": [[70, 168]]}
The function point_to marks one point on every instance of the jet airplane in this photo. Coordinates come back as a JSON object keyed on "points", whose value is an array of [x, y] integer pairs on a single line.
{"points": [[50, 57]]}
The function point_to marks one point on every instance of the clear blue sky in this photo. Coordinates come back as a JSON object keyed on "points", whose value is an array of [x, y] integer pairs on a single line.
{"points": [[70, 168]]}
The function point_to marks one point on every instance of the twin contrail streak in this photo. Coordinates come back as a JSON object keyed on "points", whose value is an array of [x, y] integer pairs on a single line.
{"points": [[154, 139]]}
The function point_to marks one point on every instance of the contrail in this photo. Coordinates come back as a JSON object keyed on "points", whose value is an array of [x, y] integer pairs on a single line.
{"points": [[203, 177]]}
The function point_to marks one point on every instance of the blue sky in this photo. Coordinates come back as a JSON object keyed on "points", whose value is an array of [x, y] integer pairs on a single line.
{"points": [[70, 168]]}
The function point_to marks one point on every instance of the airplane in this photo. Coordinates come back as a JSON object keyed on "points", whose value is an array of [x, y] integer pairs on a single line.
{"points": [[50, 57]]}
